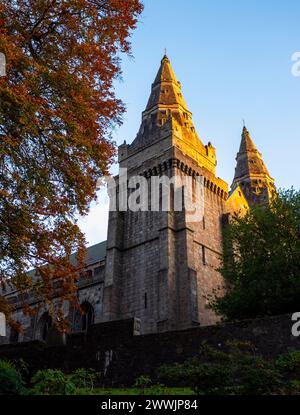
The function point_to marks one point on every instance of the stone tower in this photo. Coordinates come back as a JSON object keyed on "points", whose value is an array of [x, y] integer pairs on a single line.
{"points": [[159, 267], [251, 173]]}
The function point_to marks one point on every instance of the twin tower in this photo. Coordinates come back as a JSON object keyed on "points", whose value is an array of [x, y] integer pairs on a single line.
{"points": [[161, 268]]}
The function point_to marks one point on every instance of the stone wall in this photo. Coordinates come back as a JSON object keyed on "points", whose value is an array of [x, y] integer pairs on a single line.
{"points": [[113, 349]]}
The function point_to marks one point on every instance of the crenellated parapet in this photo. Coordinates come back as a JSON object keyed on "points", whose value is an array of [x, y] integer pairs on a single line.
{"points": [[212, 183]]}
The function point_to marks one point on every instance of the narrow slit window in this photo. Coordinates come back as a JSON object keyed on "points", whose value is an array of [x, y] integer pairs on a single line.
{"points": [[203, 255]]}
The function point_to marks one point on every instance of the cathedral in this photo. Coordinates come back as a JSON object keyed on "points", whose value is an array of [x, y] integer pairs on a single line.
{"points": [[156, 266]]}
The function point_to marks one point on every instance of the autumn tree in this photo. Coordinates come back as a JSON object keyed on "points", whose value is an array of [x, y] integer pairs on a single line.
{"points": [[261, 261], [57, 108]]}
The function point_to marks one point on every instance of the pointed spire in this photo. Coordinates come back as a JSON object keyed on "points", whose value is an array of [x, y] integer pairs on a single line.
{"points": [[166, 89], [247, 143], [167, 116], [249, 159], [250, 172], [165, 72]]}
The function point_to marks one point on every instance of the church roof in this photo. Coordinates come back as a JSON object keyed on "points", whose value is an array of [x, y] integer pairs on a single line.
{"points": [[94, 253]]}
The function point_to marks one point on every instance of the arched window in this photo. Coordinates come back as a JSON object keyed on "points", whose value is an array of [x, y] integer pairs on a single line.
{"points": [[44, 325], [87, 316], [84, 318]]}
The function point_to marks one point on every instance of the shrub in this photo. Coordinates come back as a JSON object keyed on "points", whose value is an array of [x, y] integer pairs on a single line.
{"points": [[84, 378], [203, 377], [216, 372], [143, 382], [257, 377], [11, 382], [288, 362], [52, 382]]}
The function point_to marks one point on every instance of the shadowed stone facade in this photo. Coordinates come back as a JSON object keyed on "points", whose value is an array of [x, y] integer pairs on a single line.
{"points": [[159, 267]]}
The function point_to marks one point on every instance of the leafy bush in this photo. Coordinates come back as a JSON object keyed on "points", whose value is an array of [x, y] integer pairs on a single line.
{"points": [[215, 372], [84, 378], [11, 382], [289, 367], [288, 362], [203, 377], [52, 382], [258, 377], [142, 383]]}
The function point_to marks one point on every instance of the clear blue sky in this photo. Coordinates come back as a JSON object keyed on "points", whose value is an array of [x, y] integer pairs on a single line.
{"points": [[233, 59]]}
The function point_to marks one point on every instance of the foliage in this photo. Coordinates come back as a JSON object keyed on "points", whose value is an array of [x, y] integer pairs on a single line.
{"points": [[234, 370], [142, 382], [52, 382], [11, 382], [213, 372], [57, 108], [261, 261], [289, 361], [84, 378]]}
